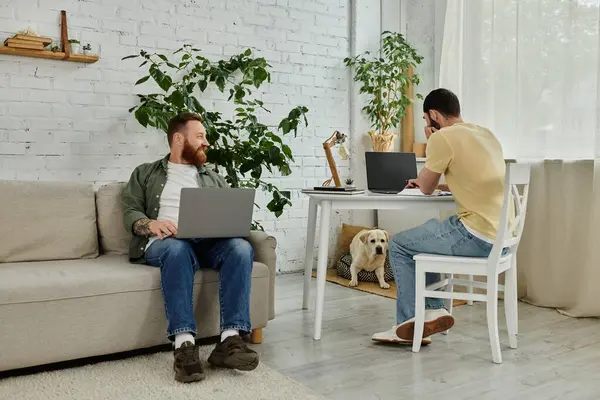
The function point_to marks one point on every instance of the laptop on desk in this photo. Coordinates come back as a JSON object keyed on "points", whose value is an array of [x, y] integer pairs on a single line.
{"points": [[215, 213], [389, 172]]}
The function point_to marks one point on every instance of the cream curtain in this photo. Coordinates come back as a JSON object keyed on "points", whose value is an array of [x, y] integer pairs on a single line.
{"points": [[559, 255], [529, 70]]}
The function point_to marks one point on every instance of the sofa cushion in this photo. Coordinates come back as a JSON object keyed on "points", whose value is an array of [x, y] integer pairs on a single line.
{"points": [[114, 239], [47, 221], [107, 274]]}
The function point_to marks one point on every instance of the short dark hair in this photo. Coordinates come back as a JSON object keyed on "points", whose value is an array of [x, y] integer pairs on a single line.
{"points": [[442, 101], [178, 122]]}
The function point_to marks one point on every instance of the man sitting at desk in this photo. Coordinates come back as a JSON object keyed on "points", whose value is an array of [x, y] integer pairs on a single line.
{"points": [[471, 159]]}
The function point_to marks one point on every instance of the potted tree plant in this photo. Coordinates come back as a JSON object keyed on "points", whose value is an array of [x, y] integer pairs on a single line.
{"points": [[241, 147], [385, 78]]}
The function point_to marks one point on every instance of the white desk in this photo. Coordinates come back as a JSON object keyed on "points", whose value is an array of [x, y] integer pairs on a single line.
{"points": [[366, 201]]}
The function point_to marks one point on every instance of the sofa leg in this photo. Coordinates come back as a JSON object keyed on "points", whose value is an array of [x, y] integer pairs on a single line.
{"points": [[256, 336]]}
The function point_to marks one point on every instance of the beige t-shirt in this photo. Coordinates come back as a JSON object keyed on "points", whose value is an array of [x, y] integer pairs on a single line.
{"points": [[472, 161]]}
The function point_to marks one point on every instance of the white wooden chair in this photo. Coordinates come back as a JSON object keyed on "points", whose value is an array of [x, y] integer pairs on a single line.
{"points": [[492, 267]]}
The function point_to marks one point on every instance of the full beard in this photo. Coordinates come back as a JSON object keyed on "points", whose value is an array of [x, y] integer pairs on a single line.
{"points": [[194, 156]]}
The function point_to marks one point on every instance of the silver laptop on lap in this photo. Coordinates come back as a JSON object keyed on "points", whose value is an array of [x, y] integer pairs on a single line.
{"points": [[215, 213]]}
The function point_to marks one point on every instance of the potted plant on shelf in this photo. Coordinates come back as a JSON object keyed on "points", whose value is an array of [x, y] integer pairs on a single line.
{"points": [[75, 46], [385, 78], [242, 147]]}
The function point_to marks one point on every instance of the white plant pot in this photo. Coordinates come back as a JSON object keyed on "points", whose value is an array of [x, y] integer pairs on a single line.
{"points": [[75, 48]]}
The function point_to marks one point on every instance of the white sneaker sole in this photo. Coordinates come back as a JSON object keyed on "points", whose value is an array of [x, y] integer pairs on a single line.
{"points": [[424, 342], [438, 325]]}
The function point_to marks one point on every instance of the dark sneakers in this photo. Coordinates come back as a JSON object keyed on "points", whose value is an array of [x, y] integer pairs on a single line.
{"points": [[187, 364], [234, 354]]}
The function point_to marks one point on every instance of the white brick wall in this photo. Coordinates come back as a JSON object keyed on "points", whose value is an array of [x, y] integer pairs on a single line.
{"points": [[68, 121]]}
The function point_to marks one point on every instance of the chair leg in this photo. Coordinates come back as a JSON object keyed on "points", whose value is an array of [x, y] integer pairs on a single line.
{"points": [[419, 310], [470, 290], [449, 302], [492, 317], [511, 305]]}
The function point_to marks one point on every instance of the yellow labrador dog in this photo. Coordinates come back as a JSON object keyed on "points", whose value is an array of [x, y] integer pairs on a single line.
{"points": [[368, 250]]}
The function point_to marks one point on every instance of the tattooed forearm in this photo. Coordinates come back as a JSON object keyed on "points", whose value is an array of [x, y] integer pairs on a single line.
{"points": [[141, 227]]}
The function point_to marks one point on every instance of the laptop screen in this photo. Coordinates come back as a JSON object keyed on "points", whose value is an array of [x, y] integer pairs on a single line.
{"points": [[390, 171]]}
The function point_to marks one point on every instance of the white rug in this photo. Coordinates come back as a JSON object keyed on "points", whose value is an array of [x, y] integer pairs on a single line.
{"points": [[151, 377]]}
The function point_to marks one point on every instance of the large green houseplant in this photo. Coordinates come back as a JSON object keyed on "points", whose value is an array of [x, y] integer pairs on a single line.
{"points": [[385, 79], [241, 147]]}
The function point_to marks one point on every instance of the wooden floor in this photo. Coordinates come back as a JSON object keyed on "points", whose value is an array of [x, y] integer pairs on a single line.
{"points": [[558, 357]]}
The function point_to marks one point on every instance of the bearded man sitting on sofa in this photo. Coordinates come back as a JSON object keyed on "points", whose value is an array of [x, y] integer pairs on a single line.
{"points": [[151, 203]]}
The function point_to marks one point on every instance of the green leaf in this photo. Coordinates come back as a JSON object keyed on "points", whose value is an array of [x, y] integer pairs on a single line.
{"points": [[260, 74], [276, 206], [128, 57], [142, 116], [177, 99], [197, 106], [248, 52], [162, 122], [284, 125], [275, 155], [274, 137], [220, 81], [202, 85], [163, 80], [287, 151], [142, 80], [239, 94], [190, 87]]}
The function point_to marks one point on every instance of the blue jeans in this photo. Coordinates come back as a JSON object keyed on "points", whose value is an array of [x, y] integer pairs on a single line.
{"points": [[448, 237], [179, 259]]}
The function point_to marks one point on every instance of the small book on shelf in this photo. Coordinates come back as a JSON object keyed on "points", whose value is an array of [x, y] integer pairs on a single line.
{"points": [[24, 44], [45, 41]]}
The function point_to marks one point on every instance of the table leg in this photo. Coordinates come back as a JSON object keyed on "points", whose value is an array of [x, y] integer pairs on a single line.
{"points": [[322, 265], [310, 247]]}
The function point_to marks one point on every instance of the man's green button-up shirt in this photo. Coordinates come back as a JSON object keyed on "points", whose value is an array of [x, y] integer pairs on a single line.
{"points": [[141, 197]]}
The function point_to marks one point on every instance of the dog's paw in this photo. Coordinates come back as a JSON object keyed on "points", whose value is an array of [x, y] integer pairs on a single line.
{"points": [[353, 283], [384, 285]]}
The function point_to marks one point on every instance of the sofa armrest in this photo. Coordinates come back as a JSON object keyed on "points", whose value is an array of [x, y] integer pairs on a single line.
{"points": [[264, 252]]}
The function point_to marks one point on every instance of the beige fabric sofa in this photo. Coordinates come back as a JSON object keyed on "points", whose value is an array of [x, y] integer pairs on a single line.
{"points": [[68, 290]]}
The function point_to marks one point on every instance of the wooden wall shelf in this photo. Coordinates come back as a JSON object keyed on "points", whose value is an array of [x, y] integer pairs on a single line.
{"points": [[51, 55], [64, 55]]}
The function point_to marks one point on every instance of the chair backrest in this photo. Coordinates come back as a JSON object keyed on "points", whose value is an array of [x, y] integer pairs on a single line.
{"points": [[510, 230]]}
